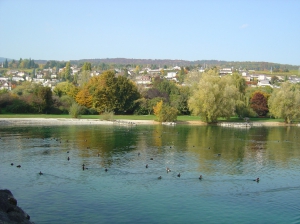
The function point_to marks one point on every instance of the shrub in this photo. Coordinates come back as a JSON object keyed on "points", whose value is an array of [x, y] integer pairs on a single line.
{"points": [[107, 115], [165, 113], [75, 110]]}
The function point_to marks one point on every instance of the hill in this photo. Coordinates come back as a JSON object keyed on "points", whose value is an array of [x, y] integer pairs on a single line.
{"points": [[249, 65]]}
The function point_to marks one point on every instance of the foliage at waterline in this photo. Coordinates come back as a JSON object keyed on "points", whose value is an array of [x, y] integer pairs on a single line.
{"points": [[207, 96]]}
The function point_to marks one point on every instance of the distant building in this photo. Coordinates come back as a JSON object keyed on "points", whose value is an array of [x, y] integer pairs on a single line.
{"points": [[225, 71], [17, 79], [143, 80], [264, 83]]}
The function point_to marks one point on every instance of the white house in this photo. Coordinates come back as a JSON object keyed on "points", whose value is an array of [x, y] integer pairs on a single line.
{"points": [[39, 76], [15, 78], [38, 80], [144, 80], [21, 74], [171, 75], [5, 85], [264, 83], [225, 71], [3, 79], [261, 77]]}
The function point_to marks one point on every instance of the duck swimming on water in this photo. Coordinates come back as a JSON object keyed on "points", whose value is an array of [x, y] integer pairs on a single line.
{"points": [[200, 178], [257, 179]]}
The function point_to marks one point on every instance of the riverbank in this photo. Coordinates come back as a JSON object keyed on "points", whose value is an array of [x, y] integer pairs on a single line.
{"points": [[72, 121], [69, 121]]}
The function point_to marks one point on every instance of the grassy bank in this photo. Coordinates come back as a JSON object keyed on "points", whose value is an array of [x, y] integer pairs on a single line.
{"points": [[132, 117]]}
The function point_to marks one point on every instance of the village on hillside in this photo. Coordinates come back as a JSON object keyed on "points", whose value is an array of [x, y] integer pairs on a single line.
{"points": [[49, 77]]}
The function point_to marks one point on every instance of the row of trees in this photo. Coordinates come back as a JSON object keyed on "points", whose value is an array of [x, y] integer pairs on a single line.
{"points": [[22, 64], [205, 95], [214, 97]]}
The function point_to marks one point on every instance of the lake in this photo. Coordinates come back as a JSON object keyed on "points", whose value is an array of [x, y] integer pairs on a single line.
{"points": [[229, 159]]}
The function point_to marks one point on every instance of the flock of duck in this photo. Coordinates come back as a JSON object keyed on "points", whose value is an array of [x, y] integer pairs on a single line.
{"points": [[160, 177]]}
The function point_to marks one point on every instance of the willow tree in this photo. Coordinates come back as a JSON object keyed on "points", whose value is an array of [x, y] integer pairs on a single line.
{"points": [[214, 97], [285, 102]]}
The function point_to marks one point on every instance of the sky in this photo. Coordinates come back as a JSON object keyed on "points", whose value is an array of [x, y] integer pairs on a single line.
{"points": [[230, 30]]}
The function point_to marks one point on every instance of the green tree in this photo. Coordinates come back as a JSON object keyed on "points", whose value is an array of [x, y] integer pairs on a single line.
{"points": [[111, 93], [5, 63], [67, 72], [137, 70], [214, 97], [84, 77], [87, 66], [180, 100], [274, 80], [285, 102], [66, 88]]}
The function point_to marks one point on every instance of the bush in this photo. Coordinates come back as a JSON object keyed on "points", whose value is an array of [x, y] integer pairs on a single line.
{"points": [[18, 106], [165, 113], [75, 110], [93, 111], [107, 115]]}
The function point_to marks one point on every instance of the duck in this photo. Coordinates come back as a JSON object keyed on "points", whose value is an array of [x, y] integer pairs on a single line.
{"points": [[12, 164], [146, 165], [106, 169], [40, 173], [200, 178], [83, 166], [19, 166], [178, 175], [159, 177], [68, 158], [168, 170], [257, 179], [151, 158]]}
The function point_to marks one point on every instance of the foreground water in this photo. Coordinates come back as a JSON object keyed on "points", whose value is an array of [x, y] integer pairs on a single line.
{"points": [[229, 159]]}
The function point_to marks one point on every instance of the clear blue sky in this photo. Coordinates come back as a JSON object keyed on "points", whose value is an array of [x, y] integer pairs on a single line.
{"points": [[231, 30]]}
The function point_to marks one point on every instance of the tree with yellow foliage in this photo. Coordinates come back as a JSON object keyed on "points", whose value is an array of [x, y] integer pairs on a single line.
{"points": [[165, 113], [84, 98]]}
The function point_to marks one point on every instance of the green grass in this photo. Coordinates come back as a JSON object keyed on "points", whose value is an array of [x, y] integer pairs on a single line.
{"points": [[135, 117], [290, 73]]}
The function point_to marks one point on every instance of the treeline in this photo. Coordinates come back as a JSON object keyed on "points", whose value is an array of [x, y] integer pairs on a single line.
{"points": [[21, 64], [205, 95], [110, 63]]}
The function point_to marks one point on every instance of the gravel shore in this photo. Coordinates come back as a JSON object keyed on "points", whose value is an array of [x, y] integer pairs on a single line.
{"points": [[62, 122], [72, 121]]}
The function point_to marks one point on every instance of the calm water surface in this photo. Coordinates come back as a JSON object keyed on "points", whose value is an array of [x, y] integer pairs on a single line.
{"points": [[131, 193]]}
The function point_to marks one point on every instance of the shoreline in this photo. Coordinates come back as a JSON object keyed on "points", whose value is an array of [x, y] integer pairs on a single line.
{"points": [[74, 121]]}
